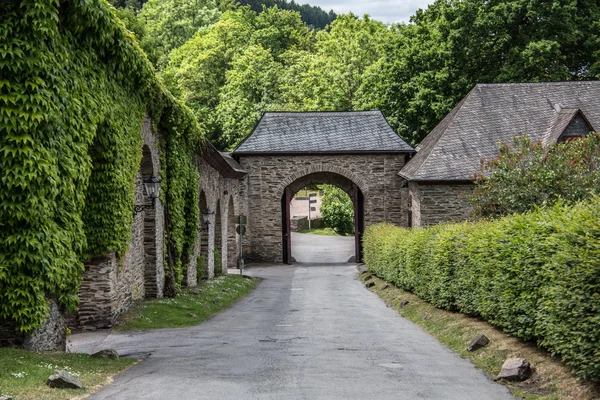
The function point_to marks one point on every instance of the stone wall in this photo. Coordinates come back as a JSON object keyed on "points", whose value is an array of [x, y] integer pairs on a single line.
{"points": [[224, 193], [268, 176], [110, 284], [51, 336], [436, 203]]}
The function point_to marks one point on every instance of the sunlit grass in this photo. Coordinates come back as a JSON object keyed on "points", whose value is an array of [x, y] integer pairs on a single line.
{"points": [[23, 374], [191, 307]]}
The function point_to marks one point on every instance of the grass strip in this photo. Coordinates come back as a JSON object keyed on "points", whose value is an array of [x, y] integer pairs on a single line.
{"points": [[552, 380], [320, 231], [191, 307], [23, 374]]}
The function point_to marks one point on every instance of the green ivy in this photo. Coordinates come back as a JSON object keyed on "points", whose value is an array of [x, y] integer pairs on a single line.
{"points": [[534, 275], [74, 90]]}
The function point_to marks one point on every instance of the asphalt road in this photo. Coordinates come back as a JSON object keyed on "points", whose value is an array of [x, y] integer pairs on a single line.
{"points": [[309, 249], [306, 332]]}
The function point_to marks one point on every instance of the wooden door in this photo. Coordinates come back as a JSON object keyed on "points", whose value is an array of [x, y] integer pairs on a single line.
{"points": [[285, 226]]}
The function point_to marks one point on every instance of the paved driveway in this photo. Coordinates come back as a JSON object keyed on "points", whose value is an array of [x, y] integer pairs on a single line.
{"points": [[309, 249], [305, 333]]}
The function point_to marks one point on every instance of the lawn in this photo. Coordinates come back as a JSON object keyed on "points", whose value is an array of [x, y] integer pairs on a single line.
{"points": [[23, 374], [320, 231], [191, 307], [552, 379]]}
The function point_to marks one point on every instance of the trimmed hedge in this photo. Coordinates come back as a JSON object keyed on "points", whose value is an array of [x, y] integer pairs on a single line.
{"points": [[534, 275]]}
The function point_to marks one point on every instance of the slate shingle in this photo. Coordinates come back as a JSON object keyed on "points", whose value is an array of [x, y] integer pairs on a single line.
{"points": [[495, 113], [323, 132]]}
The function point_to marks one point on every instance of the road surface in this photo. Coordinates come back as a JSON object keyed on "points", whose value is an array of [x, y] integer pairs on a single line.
{"points": [[306, 332]]}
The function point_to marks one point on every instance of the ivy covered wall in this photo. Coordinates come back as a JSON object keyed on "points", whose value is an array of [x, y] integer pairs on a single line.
{"points": [[74, 89]]}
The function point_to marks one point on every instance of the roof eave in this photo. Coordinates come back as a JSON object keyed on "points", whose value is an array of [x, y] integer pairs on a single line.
{"points": [[309, 153]]}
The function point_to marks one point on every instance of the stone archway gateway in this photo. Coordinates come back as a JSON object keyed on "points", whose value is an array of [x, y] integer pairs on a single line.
{"points": [[357, 151], [333, 178]]}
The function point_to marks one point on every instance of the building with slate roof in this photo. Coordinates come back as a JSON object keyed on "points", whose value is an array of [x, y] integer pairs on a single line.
{"points": [[357, 151], [440, 173], [323, 132]]}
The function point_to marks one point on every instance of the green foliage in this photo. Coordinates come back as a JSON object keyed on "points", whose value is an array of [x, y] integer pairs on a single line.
{"points": [[337, 210], [229, 73], [533, 275], [218, 262], [201, 269], [528, 175], [168, 24], [192, 307], [74, 89], [454, 44], [312, 16]]}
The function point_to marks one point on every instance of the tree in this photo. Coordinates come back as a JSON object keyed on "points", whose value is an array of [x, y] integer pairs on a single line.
{"points": [[252, 86], [168, 24], [454, 44], [337, 210], [526, 175]]}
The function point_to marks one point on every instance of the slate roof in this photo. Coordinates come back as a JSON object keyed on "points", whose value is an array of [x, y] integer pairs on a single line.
{"points": [[323, 132], [495, 113]]}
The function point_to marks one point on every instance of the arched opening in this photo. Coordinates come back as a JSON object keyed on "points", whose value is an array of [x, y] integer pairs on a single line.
{"points": [[202, 262], [337, 248], [151, 285], [231, 236], [218, 251]]}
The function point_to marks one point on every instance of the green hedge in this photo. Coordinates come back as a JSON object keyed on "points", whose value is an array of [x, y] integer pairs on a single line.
{"points": [[535, 275]]}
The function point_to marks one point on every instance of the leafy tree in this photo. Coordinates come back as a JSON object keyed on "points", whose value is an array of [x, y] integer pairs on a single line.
{"points": [[528, 175], [170, 23], [330, 77], [454, 44], [211, 72], [312, 16], [337, 210], [251, 88]]}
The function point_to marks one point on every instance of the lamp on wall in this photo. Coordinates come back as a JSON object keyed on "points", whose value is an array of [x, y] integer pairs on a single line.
{"points": [[206, 216], [152, 188]]}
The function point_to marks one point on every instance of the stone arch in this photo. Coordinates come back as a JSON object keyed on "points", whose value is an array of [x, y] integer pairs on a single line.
{"points": [[218, 240], [323, 168], [152, 284], [203, 239], [231, 235], [314, 177]]}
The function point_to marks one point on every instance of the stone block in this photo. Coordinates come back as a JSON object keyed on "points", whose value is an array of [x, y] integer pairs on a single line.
{"points": [[515, 370], [63, 380]]}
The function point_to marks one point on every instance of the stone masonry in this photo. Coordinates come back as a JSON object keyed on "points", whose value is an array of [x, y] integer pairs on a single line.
{"points": [[435, 203], [268, 176]]}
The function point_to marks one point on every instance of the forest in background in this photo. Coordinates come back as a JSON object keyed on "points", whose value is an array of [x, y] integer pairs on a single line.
{"points": [[230, 63]]}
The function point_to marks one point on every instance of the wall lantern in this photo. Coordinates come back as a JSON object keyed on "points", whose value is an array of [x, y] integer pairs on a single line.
{"points": [[206, 216], [152, 188]]}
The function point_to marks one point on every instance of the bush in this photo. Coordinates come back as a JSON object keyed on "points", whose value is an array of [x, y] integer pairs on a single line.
{"points": [[535, 275], [528, 175], [337, 210], [201, 269], [218, 262]]}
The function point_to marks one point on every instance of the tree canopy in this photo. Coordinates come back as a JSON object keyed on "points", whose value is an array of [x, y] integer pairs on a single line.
{"points": [[217, 56]]}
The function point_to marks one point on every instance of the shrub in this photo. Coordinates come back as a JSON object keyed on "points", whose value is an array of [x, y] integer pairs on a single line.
{"points": [[337, 210], [200, 268], [535, 275], [528, 174], [218, 262]]}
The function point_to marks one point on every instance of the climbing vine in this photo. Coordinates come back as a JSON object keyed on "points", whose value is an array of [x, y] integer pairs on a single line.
{"points": [[74, 90]]}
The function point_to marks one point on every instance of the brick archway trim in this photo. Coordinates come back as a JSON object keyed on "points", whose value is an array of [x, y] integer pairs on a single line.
{"points": [[323, 168]]}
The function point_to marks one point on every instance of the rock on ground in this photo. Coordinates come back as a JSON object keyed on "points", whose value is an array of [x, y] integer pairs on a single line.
{"points": [[515, 369], [63, 380], [480, 341], [109, 354]]}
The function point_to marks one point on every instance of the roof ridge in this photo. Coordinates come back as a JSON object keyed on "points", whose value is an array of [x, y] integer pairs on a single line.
{"points": [[452, 114], [537, 83]]}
